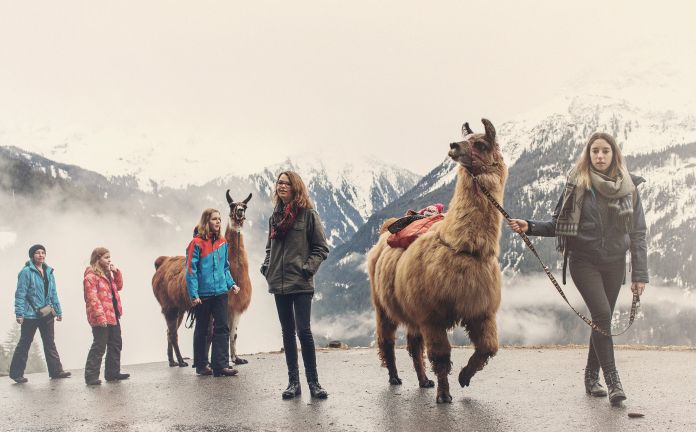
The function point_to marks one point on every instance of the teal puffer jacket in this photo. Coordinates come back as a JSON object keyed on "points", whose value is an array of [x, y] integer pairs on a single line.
{"points": [[30, 295]]}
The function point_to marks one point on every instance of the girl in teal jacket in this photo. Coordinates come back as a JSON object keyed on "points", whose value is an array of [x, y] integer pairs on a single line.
{"points": [[208, 281]]}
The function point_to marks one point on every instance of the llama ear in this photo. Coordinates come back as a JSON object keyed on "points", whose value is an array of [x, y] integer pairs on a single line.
{"points": [[490, 130], [466, 130], [229, 198], [247, 199]]}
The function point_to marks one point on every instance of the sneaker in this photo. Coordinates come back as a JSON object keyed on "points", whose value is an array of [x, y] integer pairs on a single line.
{"points": [[61, 374], [20, 380], [94, 382]]}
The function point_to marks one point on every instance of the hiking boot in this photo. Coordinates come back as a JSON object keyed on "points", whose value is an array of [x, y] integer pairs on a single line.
{"points": [[205, 371], [316, 391], [592, 385], [20, 380], [228, 371], [118, 377], [61, 374], [93, 382], [616, 392], [293, 389]]}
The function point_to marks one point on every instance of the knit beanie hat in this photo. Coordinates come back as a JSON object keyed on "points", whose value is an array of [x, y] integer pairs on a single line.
{"points": [[33, 249]]}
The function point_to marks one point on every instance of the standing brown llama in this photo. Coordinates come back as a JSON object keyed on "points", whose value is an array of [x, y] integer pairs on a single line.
{"points": [[169, 286], [239, 267], [449, 276]]}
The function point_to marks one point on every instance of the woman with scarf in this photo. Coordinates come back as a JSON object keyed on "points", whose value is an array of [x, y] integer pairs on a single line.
{"points": [[295, 248], [597, 219]]}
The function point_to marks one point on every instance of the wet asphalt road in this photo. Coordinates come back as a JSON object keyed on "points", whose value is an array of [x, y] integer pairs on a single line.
{"points": [[520, 390]]}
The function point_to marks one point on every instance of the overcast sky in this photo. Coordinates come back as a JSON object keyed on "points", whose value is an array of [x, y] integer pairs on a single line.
{"points": [[259, 80]]}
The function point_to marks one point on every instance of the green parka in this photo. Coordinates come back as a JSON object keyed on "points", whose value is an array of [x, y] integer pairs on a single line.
{"points": [[291, 262]]}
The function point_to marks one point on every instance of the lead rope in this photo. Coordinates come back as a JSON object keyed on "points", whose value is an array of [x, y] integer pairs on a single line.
{"points": [[636, 299]]}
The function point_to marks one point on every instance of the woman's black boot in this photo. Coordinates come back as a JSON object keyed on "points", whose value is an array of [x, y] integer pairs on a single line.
{"points": [[293, 385], [616, 392], [592, 385], [315, 388]]}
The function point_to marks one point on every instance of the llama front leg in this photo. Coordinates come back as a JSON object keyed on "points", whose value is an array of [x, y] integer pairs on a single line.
{"points": [[484, 335], [439, 354], [386, 335], [234, 323], [416, 350]]}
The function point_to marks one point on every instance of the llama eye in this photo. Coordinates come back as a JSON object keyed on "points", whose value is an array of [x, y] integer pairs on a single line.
{"points": [[480, 146]]}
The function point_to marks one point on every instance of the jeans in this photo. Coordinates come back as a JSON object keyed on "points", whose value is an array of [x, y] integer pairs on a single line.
{"points": [[294, 312], [21, 354]]}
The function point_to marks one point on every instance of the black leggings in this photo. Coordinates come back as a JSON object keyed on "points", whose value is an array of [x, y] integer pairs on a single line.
{"points": [[599, 286], [294, 312]]}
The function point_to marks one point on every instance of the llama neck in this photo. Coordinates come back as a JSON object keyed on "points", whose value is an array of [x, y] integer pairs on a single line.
{"points": [[239, 266], [473, 223]]}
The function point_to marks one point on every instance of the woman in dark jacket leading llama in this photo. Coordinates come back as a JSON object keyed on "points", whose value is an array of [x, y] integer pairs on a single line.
{"points": [[598, 218], [36, 307], [295, 248]]}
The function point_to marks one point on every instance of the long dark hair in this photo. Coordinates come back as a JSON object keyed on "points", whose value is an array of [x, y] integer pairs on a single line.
{"points": [[300, 195]]}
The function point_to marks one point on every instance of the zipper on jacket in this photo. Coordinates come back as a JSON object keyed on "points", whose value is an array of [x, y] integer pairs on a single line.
{"points": [[599, 213], [282, 272]]}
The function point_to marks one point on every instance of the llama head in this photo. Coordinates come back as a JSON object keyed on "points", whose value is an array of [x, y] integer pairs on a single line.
{"points": [[237, 210], [479, 152]]}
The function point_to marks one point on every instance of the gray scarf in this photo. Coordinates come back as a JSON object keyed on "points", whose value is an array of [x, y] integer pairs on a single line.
{"points": [[618, 191]]}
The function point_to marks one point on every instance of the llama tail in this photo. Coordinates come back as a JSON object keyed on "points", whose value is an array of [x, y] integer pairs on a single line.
{"points": [[386, 224], [159, 261]]}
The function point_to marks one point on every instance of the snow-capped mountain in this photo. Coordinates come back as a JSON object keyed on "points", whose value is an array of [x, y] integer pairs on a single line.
{"points": [[345, 193]]}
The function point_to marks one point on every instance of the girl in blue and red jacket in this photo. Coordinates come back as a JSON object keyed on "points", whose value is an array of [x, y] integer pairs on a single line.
{"points": [[208, 281]]}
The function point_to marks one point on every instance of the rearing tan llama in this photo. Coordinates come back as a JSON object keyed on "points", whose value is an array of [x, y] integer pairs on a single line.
{"points": [[449, 276]]}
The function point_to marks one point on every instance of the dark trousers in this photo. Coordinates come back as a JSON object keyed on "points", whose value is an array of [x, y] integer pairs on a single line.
{"points": [[215, 308], [28, 330], [106, 339], [294, 312], [599, 286]]}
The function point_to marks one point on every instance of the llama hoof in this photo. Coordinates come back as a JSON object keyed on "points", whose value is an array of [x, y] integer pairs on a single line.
{"points": [[395, 380], [182, 364], [427, 384], [464, 377], [240, 360], [444, 398]]}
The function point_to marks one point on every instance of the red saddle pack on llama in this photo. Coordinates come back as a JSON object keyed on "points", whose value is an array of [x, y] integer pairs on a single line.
{"points": [[410, 233]]}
